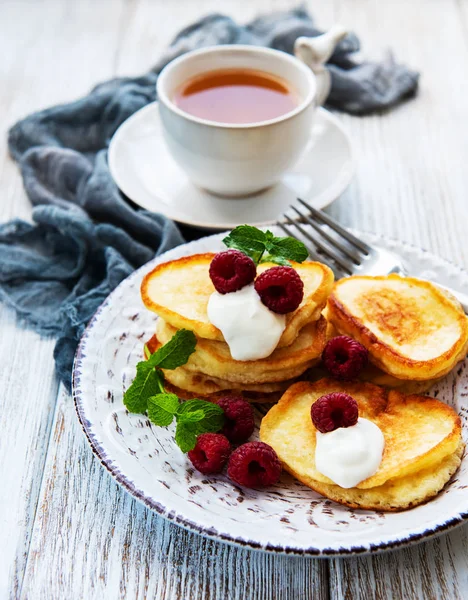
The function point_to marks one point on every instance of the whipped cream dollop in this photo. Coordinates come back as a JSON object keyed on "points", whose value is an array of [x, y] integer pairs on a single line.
{"points": [[250, 329], [348, 455]]}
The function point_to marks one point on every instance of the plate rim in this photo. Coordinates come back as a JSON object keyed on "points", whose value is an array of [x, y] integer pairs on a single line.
{"points": [[172, 516], [329, 195]]}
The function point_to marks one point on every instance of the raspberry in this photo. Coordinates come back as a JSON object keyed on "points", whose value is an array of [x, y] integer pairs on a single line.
{"points": [[344, 358], [280, 289], [240, 422], [231, 270], [334, 410], [210, 453], [254, 464]]}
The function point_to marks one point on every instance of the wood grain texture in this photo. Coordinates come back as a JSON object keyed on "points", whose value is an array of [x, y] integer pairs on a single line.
{"points": [[411, 179], [35, 72], [71, 531], [411, 184], [26, 414]]}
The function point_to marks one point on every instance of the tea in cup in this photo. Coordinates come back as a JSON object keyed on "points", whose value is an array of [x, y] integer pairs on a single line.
{"points": [[236, 117]]}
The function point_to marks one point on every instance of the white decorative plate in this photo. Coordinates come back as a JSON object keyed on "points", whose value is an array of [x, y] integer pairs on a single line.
{"points": [[287, 517], [145, 172]]}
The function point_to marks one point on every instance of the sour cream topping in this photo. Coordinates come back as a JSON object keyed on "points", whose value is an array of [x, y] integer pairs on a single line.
{"points": [[348, 455], [250, 329]]}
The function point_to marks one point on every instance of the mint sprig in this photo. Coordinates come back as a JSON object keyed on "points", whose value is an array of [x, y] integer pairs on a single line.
{"points": [[149, 379], [162, 408], [263, 246], [193, 417], [147, 393], [147, 382], [176, 352]]}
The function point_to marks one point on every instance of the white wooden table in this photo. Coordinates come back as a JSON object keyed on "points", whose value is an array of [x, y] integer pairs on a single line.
{"points": [[66, 529]]}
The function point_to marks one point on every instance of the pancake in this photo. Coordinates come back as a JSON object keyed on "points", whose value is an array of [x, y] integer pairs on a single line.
{"points": [[411, 328], [373, 374], [400, 493], [200, 383], [178, 291], [422, 443], [214, 359], [191, 384], [253, 397]]}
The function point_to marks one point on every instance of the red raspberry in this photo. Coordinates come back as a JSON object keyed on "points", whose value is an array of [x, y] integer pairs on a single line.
{"points": [[334, 410], [280, 289], [210, 453], [231, 270], [254, 464], [240, 422], [344, 358]]}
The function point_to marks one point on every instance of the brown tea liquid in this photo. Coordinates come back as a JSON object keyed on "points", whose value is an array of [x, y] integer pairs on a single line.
{"points": [[236, 96]]}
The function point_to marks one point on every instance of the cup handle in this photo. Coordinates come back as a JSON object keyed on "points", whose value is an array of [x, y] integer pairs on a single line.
{"points": [[315, 52]]}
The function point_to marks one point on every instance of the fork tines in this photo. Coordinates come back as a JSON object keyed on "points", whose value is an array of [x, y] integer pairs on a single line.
{"points": [[325, 238]]}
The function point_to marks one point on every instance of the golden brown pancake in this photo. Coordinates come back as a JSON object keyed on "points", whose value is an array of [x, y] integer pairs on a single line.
{"points": [[422, 435], [214, 358], [199, 383], [191, 384], [372, 374], [411, 328], [253, 397], [178, 291]]}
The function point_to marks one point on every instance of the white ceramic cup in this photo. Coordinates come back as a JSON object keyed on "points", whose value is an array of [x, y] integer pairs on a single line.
{"points": [[241, 159]]}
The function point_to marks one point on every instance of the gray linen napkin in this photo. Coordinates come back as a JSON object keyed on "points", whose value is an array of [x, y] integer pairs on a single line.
{"points": [[85, 238]]}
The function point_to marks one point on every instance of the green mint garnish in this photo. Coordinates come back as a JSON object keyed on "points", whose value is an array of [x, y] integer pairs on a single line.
{"points": [[263, 246], [176, 352], [191, 417], [147, 382], [162, 408], [147, 393], [195, 417], [213, 415], [247, 239]]}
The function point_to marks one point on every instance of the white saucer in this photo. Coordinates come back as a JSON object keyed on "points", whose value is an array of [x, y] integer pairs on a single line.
{"points": [[145, 172]]}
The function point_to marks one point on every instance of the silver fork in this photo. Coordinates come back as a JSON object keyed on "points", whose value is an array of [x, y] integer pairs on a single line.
{"points": [[327, 241]]}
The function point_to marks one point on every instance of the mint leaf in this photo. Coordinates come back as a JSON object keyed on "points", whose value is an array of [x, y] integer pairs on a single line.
{"points": [[277, 260], [247, 239], [287, 248], [195, 417], [210, 410], [167, 401], [175, 352], [191, 417], [162, 408], [185, 438], [146, 351], [263, 246], [147, 382]]}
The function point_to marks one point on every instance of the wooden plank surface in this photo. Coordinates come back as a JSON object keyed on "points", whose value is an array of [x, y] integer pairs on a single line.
{"points": [[71, 531], [411, 185], [37, 68]]}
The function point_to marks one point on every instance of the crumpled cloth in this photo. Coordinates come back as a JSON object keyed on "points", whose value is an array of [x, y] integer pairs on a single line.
{"points": [[85, 238]]}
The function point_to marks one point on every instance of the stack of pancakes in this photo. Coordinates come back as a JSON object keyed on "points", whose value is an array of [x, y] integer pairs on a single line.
{"points": [[178, 291], [423, 443], [415, 333]]}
